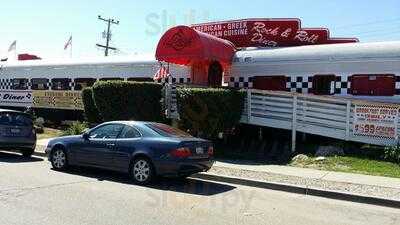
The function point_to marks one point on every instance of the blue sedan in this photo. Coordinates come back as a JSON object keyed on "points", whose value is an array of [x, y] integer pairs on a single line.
{"points": [[143, 149]]}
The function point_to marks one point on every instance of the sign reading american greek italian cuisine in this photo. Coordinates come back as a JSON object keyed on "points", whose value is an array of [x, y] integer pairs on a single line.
{"points": [[376, 121]]}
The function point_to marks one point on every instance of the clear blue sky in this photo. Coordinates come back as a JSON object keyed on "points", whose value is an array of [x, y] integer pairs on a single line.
{"points": [[43, 26]]}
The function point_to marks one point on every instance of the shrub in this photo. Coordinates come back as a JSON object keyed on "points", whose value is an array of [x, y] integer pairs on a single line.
{"points": [[207, 111], [38, 124], [119, 100], [91, 113], [76, 128], [392, 153]]}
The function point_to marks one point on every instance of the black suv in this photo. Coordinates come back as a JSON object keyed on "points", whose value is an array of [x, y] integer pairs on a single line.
{"points": [[17, 132]]}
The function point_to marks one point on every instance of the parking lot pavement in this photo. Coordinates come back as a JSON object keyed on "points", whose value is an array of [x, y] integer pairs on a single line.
{"points": [[32, 193]]}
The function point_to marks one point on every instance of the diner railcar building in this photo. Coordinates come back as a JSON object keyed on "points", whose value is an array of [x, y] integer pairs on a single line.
{"points": [[75, 74], [355, 69], [266, 54]]}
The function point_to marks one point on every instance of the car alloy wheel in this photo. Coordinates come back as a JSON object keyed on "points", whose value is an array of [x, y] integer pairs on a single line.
{"points": [[59, 159], [142, 171]]}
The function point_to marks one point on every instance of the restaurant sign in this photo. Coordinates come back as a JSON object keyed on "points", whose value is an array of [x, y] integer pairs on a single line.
{"points": [[58, 99], [42, 99], [16, 98], [376, 121], [269, 33]]}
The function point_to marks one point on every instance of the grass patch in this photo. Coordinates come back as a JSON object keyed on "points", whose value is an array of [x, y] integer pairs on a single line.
{"points": [[49, 133], [352, 165]]}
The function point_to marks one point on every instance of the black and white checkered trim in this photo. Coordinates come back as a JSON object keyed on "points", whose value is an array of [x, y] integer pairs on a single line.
{"points": [[175, 80], [304, 84], [342, 85], [300, 84], [241, 82], [6, 84]]}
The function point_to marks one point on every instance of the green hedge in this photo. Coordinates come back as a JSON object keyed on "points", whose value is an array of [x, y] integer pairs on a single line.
{"points": [[91, 113], [208, 111], [120, 100]]}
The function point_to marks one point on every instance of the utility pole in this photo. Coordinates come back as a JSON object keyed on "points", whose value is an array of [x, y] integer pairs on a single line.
{"points": [[108, 35]]}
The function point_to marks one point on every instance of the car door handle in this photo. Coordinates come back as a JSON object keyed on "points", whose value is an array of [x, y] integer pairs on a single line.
{"points": [[110, 144]]}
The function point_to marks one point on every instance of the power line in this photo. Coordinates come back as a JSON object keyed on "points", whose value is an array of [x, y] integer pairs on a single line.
{"points": [[375, 26], [370, 30], [382, 37], [382, 33], [367, 23], [376, 31], [108, 34]]}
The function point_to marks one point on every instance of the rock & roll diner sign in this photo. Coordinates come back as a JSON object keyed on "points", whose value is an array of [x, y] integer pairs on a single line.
{"points": [[269, 33]]}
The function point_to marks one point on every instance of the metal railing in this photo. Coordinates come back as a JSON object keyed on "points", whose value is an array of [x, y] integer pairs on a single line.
{"points": [[320, 115]]}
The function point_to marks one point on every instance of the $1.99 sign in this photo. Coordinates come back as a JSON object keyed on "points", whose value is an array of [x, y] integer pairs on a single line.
{"points": [[375, 121]]}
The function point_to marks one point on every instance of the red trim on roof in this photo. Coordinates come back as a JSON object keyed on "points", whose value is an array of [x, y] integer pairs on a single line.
{"points": [[184, 45]]}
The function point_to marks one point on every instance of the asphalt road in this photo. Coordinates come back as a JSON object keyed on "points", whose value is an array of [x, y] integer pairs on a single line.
{"points": [[31, 193]]}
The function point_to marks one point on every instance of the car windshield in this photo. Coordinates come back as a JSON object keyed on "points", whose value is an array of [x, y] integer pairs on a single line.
{"points": [[167, 131], [15, 119]]}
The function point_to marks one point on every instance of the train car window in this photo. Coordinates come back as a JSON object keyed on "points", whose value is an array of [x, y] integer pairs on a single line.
{"points": [[81, 83], [275, 83], [60, 84], [140, 79], [40, 84], [111, 78], [373, 84], [323, 84], [20, 84]]}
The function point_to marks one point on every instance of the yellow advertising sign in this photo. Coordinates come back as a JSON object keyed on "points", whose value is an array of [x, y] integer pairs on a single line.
{"points": [[58, 99]]}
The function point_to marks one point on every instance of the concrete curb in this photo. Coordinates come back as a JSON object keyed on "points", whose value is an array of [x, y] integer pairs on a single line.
{"points": [[300, 190]]}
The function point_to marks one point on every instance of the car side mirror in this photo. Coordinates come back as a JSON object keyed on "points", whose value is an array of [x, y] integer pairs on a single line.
{"points": [[85, 136]]}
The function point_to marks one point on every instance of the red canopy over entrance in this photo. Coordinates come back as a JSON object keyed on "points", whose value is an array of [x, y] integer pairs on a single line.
{"points": [[184, 46]]}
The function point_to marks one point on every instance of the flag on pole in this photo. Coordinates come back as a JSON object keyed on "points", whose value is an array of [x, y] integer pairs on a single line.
{"points": [[161, 73], [13, 46], [68, 43]]}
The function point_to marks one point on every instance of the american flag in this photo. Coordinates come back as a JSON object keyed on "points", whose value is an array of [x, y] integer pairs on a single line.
{"points": [[161, 73]]}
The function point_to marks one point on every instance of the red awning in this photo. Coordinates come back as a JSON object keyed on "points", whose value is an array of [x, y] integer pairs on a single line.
{"points": [[184, 45]]}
